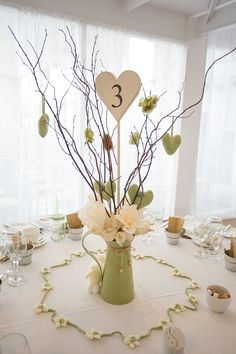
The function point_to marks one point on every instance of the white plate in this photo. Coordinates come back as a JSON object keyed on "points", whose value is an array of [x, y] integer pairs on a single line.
{"points": [[41, 241], [198, 242]]}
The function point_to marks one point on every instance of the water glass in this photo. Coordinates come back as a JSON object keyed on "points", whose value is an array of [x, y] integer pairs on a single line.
{"points": [[155, 217], [58, 227], [201, 229], [16, 247], [14, 343], [3, 251]]}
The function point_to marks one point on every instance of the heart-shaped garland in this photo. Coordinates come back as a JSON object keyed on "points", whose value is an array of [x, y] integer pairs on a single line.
{"points": [[132, 340]]}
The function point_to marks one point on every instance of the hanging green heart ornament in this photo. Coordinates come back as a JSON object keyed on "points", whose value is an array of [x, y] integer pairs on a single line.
{"points": [[43, 121], [171, 143], [139, 198]]}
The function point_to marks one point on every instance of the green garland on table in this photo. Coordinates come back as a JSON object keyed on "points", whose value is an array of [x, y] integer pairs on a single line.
{"points": [[132, 340]]}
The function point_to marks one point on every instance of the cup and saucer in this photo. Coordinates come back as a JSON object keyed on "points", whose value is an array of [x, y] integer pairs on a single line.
{"points": [[32, 233]]}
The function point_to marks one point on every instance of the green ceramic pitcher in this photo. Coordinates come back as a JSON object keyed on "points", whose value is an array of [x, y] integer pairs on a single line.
{"points": [[117, 285]]}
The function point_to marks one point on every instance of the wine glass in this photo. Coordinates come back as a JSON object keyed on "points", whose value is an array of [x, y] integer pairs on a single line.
{"points": [[14, 343], [215, 223], [155, 217], [3, 251], [201, 229], [16, 247]]}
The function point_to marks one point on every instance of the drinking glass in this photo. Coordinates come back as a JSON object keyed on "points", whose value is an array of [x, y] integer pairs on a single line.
{"points": [[215, 223], [3, 251], [14, 343], [155, 217], [201, 229], [216, 243], [16, 246]]}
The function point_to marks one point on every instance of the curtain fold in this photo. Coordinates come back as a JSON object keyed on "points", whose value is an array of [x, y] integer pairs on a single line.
{"points": [[216, 165]]}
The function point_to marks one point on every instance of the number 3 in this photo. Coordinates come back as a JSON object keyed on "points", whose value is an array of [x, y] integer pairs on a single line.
{"points": [[118, 96]]}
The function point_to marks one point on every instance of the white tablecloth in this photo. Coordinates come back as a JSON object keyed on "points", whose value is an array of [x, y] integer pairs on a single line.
{"points": [[155, 288]]}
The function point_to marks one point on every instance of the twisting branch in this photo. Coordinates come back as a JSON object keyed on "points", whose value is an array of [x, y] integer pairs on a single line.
{"points": [[99, 171]]}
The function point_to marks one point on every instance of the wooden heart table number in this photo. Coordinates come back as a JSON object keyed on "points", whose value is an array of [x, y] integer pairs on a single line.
{"points": [[118, 94]]}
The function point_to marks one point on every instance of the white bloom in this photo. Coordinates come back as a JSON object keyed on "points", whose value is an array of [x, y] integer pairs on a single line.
{"points": [[41, 308], [194, 285], [60, 322], [47, 287], [111, 228], [67, 261], [132, 341], [93, 215], [122, 236], [139, 256], [129, 217], [46, 270], [164, 323], [178, 308], [193, 299], [93, 334]]}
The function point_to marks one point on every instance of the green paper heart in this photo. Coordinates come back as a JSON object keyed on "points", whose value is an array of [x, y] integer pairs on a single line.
{"points": [[171, 143], [142, 199], [107, 189], [43, 125]]}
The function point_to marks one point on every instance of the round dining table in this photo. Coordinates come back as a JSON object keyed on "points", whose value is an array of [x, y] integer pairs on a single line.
{"points": [[156, 290]]}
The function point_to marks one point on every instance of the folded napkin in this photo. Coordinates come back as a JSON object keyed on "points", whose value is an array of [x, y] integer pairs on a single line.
{"points": [[31, 234]]}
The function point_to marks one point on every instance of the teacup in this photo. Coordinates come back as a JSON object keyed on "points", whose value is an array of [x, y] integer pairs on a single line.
{"points": [[230, 262], [31, 234], [218, 298], [27, 255], [172, 237]]}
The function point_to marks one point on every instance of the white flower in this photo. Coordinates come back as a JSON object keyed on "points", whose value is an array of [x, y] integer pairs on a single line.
{"points": [[164, 323], [194, 285], [129, 217], [93, 215], [67, 261], [178, 308], [132, 341], [193, 299], [60, 322], [176, 272], [122, 236], [111, 228], [162, 261], [41, 308], [47, 287], [139, 256], [93, 334], [46, 271]]}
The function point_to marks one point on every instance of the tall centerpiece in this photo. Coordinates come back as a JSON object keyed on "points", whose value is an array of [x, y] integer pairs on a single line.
{"points": [[114, 210]]}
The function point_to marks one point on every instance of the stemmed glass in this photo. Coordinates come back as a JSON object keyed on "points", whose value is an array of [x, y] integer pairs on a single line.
{"points": [[155, 217], [201, 229], [3, 251], [14, 343], [16, 247]]}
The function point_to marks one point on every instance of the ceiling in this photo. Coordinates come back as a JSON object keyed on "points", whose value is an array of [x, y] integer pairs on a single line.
{"points": [[188, 7]]}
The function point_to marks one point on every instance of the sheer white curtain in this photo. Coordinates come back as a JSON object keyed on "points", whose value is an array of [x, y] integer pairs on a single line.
{"points": [[216, 167], [34, 171]]}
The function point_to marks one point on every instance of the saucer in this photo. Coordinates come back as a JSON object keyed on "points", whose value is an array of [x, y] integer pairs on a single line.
{"points": [[198, 243], [41, 241]]}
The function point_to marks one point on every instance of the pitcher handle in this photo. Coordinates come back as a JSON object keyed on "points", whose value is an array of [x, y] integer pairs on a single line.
{"points": [[90, 253]]}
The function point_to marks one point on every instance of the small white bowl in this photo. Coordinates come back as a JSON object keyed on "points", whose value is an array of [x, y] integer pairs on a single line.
{"points": [[172, 238], [75, 234], [217, 304], [230, 262]]}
